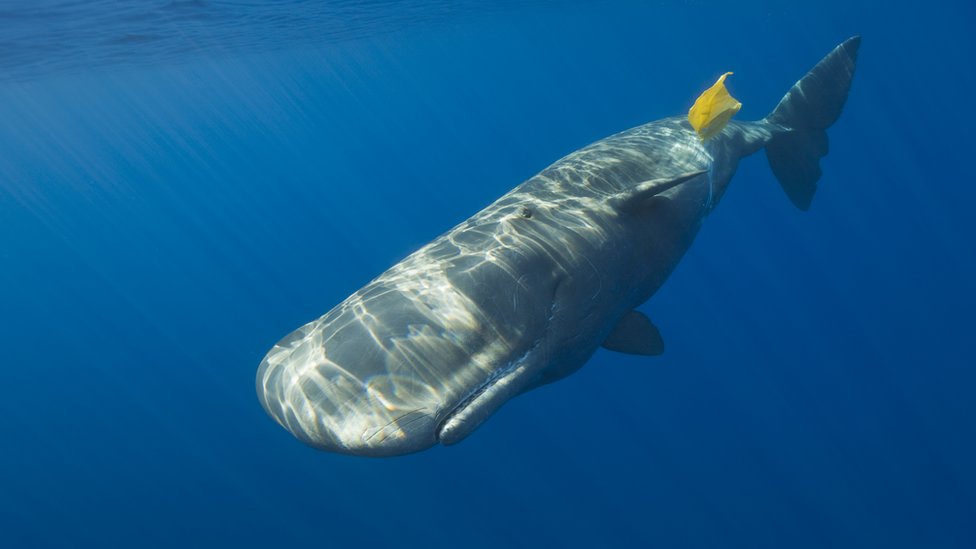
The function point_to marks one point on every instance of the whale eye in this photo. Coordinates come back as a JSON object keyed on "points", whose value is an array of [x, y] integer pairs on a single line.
{"points": [[525, 212]]}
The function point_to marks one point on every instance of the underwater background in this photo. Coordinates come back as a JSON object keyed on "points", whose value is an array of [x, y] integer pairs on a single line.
{"points": [[183, 183]]}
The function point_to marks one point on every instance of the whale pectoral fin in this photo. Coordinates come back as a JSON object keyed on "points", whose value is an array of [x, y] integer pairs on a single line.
{"points": [[635, 334], [634, 198]]}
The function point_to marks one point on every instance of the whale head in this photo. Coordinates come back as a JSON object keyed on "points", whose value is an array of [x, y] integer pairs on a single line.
{"points": [[387, 373], [303, 384]]}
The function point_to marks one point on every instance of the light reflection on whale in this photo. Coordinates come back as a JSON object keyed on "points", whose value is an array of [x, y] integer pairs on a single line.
{"points": [[525, 291]]}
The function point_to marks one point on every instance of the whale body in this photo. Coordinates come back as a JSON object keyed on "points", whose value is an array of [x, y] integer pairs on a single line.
{"points": [[525, 291]]}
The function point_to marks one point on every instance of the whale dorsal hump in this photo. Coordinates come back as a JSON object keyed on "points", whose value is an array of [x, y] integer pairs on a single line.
{"points": [[635, 334], [632, 199]]}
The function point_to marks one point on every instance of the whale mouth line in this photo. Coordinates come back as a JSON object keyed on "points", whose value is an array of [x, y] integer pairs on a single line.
{"points": [[481, 389], [500, 385], [472, 410]]}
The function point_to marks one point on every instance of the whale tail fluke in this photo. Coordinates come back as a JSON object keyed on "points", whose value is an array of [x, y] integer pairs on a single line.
{"points": [[805, 112]]}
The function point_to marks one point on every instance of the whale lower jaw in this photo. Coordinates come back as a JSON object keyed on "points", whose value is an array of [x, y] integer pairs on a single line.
{"points": [[478, 406]]}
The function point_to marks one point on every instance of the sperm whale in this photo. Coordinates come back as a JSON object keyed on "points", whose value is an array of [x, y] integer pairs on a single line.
{"points": [[525, 291]]}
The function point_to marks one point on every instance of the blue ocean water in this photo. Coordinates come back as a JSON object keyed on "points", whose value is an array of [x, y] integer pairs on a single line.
{"points": [[183, 183]]}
